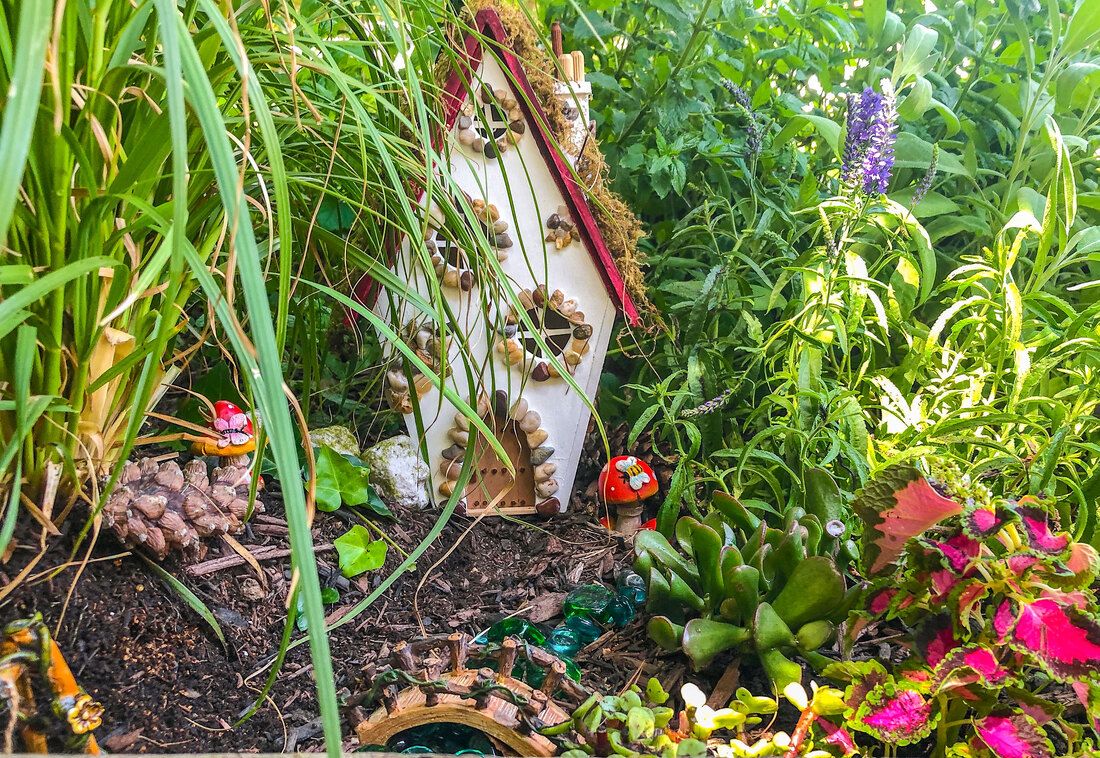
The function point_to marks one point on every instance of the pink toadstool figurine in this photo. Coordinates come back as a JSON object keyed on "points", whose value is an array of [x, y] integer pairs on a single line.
{"points": [[625, 482]]}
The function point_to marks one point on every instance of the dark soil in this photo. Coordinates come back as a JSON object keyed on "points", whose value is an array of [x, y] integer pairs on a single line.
{"points": [[168, 685]]}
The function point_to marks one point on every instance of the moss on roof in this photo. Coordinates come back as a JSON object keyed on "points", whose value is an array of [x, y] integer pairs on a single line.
{"points": [[621, 230]]}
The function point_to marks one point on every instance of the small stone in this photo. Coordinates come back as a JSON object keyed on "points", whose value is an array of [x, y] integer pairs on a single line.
{"points": [[526, 299], [490, 150], [549, 507], [553, 221], [454, 451], [465, 122], [556, 299], [510, 330], [536, 438], [530, 421], [467, 136], [563, 641], [547, 488], [447, 488], [397, 381], [519, 410], [540, 373], [583, 332], [545, 471], [503, 241], [461, 422], [517, 127], [541, 454], [585, 628], [397, 471], [450, 277], [450, 469], [499, 227], [539, 295], [589, 600], [478, 146], [486, 95], [466, 281], [460, 437], [567, 224], [571, 357], [500, 404]]}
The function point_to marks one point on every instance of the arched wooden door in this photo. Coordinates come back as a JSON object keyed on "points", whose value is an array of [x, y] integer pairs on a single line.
{"points": [[491, 477]]}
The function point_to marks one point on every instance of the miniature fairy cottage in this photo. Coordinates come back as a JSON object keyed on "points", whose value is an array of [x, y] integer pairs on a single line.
{"points": [[521, 188]]}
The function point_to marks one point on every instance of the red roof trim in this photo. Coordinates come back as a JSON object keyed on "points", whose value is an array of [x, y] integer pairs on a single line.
{"points": [[576, 200], [455, 93]]}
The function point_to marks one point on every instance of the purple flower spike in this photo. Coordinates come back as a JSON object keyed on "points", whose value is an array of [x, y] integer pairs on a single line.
{"points": [[868, 157], [754, 138], [928, 178], [879, 158]]}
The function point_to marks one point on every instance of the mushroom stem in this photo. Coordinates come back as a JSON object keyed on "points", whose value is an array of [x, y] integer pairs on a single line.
{"points": [[628, 518]]}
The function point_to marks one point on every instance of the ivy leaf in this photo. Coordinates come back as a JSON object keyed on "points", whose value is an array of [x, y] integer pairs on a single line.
{"points": [[328, 483], [342, 479], [358, 552]]}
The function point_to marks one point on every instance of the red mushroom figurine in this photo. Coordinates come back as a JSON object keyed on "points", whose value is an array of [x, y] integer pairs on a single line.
{"points": [[233, 437], [624, 483]]}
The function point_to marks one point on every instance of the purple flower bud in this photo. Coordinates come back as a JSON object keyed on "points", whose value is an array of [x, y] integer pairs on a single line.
{"points": [[927, 179]]}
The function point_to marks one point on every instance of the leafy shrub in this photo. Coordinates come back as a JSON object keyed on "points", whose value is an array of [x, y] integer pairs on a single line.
{"points": [[1001, 605]]}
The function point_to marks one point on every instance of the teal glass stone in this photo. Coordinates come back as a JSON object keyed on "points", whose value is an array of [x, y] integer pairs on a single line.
{"points": [[590, 600], [620, 611], [631, 586], [513, 627], [586, 629], [563, 642]]}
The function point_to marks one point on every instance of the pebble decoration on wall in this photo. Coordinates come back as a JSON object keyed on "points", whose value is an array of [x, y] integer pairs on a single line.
{"points": [[427, 346], [562, 229], [451, 262], [561, 326], [538, 440], [492, 125]]}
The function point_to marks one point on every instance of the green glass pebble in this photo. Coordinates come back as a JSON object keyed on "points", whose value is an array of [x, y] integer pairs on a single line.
{"points": [[521, 628], [572, 670], [563, 642], [590, 600], [586, 629], [620, 611], [631, 586]]}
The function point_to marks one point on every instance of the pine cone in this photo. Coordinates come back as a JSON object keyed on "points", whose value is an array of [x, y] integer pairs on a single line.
{"points": [[162, 508]]}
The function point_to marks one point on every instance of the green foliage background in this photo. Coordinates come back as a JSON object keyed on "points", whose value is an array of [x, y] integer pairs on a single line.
{"points": [[854, 332]]}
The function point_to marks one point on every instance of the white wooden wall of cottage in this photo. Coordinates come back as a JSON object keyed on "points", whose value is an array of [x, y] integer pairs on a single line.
{"points": [[532, 261]]}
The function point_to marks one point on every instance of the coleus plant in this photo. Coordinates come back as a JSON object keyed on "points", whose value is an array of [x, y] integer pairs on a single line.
{"points": [[1000, 603], [738, 583]]}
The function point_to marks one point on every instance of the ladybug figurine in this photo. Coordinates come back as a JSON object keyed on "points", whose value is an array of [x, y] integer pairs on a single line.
{"points": [[626, 482], [232, 436]]}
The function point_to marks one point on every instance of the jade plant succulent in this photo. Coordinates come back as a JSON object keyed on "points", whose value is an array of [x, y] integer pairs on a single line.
{"points": [[738, 583], [1003, 618], [637, 723]]}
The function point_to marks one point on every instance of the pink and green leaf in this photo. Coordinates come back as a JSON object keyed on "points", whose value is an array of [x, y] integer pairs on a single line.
{"points": [[896, 506], [838, 737], [895, 716], [1041, 527], [982, 521], [1063, 639], [1013, 735], [966, 666]]}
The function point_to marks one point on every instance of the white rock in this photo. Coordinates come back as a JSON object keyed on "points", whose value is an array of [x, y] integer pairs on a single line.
{"points": [[397, 471], [337, 438]]}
